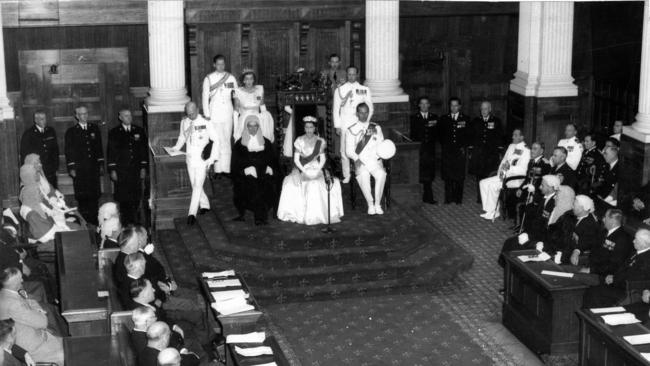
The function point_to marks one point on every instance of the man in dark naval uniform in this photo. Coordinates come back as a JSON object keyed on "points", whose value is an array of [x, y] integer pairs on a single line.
{"points": [[453, 129], [423, 130], [487, 142], [127, 161], [41, 139], [591, 166], [85, 159]]}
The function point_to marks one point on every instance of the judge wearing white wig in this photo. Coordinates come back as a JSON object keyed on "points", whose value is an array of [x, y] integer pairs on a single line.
{"points": [[304, 191], [253, 168]]}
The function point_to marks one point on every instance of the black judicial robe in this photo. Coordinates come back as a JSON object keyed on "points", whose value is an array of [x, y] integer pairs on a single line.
{"points": [[422, 132], [255, 194]]}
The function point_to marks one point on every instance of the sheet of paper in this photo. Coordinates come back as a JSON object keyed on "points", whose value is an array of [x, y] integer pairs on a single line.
{"points": [[646, 355], [254, 351], [232, 306], [172, 152], [638, 339], [542, 257], [615, 309], [227, 273], [230, 294], [224, 283], [557, 274], [254, 337], [267, 364], [619, 319]]}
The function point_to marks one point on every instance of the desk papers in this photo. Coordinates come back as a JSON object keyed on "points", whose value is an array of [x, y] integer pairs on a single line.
{"points": [[228, 273], [615, 309], [645, 355], [231, 294], [267, 364], [638, 339], [172, 152], [254, 351], [542, 257], [232, 306], [557, 274], [223, 283], [619, 319], [254, 337]]}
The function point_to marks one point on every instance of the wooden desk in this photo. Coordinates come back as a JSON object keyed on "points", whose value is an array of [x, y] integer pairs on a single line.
{"points": [[603, 345], [234, 358], [86, 314], [95, 351], [540, 309], [76, 251]]}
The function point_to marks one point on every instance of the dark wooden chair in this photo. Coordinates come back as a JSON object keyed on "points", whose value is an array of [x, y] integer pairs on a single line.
{"points": [[634, 290], [505, 193]]}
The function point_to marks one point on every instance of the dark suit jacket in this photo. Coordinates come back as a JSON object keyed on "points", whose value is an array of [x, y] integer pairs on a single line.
{"points": [[139, 340], [487, 140], [126, 154], [84, 154], [636, 268], [569, 177], [44, 144], [149, 357], [607, 181], [590, 158], [10, 360], [610, 255], [454, 137], [537, 215], [589, 234], [426, 135]]}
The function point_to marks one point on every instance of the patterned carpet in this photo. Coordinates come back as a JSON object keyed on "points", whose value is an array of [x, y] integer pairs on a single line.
{"points": [[457, 324]]}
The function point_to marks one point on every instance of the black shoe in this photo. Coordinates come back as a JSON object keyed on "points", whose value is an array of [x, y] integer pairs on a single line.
{"points": [[203, 211], [431, 202], [191, 220], [239, 218]]}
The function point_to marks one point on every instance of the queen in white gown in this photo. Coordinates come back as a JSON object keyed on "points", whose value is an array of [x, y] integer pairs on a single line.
{"points": [[249, 99], [304, 191]]}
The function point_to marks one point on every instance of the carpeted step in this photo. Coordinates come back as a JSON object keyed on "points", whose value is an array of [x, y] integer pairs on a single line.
{"points": [[179, 258]]}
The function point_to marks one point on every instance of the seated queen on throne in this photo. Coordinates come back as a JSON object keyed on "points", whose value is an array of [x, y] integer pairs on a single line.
{"points": [[304, 191]]}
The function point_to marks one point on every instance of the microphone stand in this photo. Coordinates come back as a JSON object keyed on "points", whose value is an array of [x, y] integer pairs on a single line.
{"points": [[329, 184]]}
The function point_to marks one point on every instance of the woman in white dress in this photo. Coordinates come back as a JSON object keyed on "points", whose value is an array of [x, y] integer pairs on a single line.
{"points": [[249, 99], [304, 191]]}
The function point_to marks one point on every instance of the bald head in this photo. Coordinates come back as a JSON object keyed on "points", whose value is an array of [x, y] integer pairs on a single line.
{"points": [[169, 357], [642, 239], [158, 335], [191, 110]]}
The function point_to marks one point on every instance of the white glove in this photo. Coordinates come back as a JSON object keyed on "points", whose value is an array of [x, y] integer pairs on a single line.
{"points": [[269, 171], [530, 188], [250, 171], [539, 246], [523, 238]]}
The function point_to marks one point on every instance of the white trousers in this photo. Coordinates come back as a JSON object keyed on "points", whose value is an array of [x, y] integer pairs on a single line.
{"points": [[363, 177], [224, 132], [490, 189], [197, 172]]}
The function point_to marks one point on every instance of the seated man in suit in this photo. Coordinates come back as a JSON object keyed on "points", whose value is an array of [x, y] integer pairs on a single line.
{"points": [[586, 235], [635, 268], [560, 168], [158, 335], [604, 188], [13, 354], [537, 168], [145, 315], [135, 265], [128, 245], [614, 247], [30, 319]]}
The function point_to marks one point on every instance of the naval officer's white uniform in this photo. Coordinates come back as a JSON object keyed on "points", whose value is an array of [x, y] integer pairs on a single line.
{"points": [[514, 162], [574, 151], [217, 106], [196, 134], [344, 114]]}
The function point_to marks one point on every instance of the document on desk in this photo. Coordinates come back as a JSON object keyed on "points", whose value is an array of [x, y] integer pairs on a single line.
{"points": [[230, 294], [172, 152], [254, 337], [542, 257], [614, 309], [557, 274], [232, 306], [223, 283], [620, 319], [267, 364], [638, 339], [646, 355], [254, 351], [228, 273]]}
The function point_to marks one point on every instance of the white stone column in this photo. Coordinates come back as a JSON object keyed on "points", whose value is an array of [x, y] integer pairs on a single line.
{"points": [[545, 50], [166, 54], [6, 109], [642, 123], [382, 51]]}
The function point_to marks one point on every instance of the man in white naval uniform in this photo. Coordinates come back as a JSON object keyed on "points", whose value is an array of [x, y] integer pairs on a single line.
{"points": [[344, 111], [572, 145], [196, 133], [514, 162], [218, 88], [362, 139]]}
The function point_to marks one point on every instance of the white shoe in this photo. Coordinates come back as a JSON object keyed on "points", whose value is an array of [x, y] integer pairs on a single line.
{"points": [[346, 180], [485, 216], [378, 210], [371, 210]]}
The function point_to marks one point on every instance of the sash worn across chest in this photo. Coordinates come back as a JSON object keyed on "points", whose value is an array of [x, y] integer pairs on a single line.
{"points": [[364, 141], [307, 159]]}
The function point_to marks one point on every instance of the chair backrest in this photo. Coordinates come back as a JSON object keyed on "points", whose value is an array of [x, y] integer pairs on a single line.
{"points": [[121, 320], [106, 256], [127, 354]]}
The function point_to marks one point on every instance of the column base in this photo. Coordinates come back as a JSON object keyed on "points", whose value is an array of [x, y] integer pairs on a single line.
{"points": [[557, 89], [164, 97], [523, 84], [384, 88]]}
